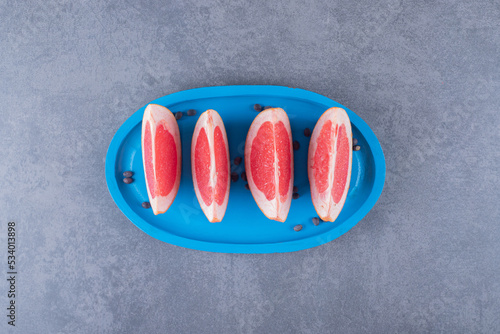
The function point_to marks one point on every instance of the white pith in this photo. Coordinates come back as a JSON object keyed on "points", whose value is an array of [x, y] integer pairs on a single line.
{"points": [[323, 202], [273, 209], [157, 115], [209, 120]]}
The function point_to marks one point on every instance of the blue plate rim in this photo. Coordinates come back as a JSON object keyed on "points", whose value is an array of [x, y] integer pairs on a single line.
{"points": [[260, 90]]}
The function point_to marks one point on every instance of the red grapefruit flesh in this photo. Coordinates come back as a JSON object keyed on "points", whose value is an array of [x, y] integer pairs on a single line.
{"points": [[161, 156], [210, 165], [329, 163], [269, 163]]}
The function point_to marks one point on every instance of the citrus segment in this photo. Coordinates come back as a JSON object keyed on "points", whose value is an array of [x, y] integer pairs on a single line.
{"points": [[202, 167], [166, 160], [221, 166], [329, 163], [148, 160], [269, 163], [210, 165], [161, 154], [322, 157], [282, 143], [262, 161], [341, 164]]}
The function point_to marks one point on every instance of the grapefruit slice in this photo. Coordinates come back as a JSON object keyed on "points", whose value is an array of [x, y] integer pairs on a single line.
{"points": [[329, 163], [161, 156], [269, 163], [210, 165]]}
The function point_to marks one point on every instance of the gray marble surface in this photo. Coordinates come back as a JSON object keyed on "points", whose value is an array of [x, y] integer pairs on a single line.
{"points": [[424, 75]]}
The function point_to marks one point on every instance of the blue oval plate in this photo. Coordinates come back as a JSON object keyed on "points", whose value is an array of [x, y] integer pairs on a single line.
{"points": [[244, 228]]}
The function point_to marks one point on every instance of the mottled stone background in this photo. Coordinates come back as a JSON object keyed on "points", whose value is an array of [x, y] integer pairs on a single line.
{"points": [[424, 75]]}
